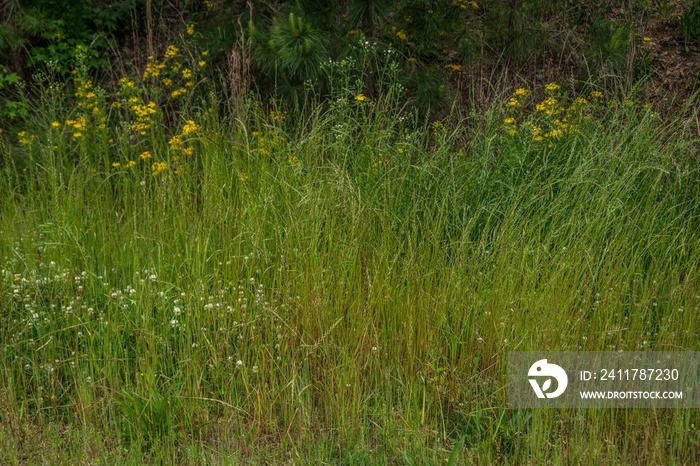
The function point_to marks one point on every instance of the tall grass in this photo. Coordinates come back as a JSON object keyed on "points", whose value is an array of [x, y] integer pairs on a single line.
{"points": [[342, 286]]}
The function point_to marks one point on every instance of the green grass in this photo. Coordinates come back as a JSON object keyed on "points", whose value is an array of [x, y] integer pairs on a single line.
{"points": [[303, 299]]}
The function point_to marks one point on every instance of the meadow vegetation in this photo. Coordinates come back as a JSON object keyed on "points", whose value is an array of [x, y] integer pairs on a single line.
{"points": [[337, 280]]}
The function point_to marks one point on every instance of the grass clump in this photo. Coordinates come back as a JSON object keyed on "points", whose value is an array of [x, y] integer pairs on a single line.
{"points": [[341, 285]]}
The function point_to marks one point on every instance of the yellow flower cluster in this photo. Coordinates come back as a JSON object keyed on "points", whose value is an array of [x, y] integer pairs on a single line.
{"points": [[516, 100], [278, 116], [143, 113], [555, 133], [510, 126], [377, 165], [190, 29], [513, 103], [551, 88], [78, 126], [145, 155], [549, 106], [176, 142], [153, 69], [171, 52], [265, 143], [361, 98], [463, 4], [190, 128], [86, 97], [454, 67], [213, 4], [158, 167], [126, 82], [536, 130], [556, 127], [24, 137], [178, 92]]}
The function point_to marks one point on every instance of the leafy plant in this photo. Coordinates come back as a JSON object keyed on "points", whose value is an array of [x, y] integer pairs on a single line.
{"points": [[291, 50], [690, 22], [152, 414], [609, 44], [665, 8], [11, 107]]}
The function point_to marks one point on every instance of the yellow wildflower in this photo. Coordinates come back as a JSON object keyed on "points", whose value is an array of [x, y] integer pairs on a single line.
{"points": [[551, 87], [278, 116], [361, 98], [158, 167], [171, 52], [513, 102], [189, 128], [190, 29]]}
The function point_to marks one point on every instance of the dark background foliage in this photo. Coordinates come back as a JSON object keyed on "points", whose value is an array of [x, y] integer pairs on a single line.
{"points": [[449, 49]]}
